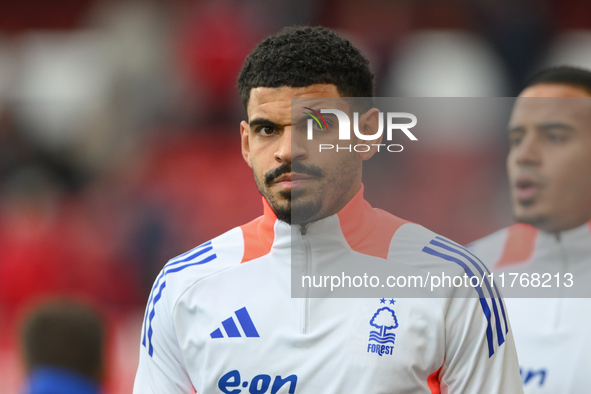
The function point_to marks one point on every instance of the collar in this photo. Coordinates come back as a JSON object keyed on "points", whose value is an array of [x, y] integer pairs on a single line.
{"points": [[363, 228], [46, 380], [572, 238], [524, 242], [357, 220]]}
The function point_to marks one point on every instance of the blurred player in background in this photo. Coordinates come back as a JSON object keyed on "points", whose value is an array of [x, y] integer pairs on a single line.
{"points": [[549, 169], [221, 316], [63, 348]]}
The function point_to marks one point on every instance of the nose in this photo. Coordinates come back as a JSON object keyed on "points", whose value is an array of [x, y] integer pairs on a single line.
{"points": [[290, 147]]}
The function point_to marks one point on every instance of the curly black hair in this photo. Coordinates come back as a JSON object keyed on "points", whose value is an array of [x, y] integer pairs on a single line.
{"points": [[300, 56], [564, 75]]}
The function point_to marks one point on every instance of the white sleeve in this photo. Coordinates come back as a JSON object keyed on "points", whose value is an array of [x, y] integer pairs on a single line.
{"points": [[161, 366], [480, 354]]}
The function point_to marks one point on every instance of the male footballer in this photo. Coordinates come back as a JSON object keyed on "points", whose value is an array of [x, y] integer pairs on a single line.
{"points": [[549, 168], [221, 318]]}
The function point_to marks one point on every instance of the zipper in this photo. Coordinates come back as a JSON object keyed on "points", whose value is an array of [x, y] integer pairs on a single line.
{"points": [[563, 267], [305, 303]]}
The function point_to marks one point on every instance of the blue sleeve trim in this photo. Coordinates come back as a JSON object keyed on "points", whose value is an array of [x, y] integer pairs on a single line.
{"points": [[455, 253], [160, 284]]}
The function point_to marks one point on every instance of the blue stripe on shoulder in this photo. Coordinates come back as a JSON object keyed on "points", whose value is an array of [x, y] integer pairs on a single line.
{"points": [[173, 266], [457, 254], [496, 292], [455, 248], [187, 255]]}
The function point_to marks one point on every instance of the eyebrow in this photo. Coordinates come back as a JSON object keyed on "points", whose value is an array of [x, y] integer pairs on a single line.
{"points": [[555, 125], [262, 122], [544, 127]]}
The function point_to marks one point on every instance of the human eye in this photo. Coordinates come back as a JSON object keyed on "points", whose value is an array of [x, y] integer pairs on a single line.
{"points": [[265, 131], [330, 121], [317, 126], [515, 138], [556, 136], [313, 121]]}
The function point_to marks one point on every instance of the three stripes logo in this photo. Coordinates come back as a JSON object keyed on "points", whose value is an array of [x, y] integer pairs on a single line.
{"points": [[231, 329]]}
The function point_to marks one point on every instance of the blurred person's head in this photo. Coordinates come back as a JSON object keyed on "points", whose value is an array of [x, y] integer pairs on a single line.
{"points": [[65, 338], [549, 161], [303, 62]]}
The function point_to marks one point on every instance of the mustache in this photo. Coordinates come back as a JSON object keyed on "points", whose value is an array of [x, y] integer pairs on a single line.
{"points": [[286, 168]]}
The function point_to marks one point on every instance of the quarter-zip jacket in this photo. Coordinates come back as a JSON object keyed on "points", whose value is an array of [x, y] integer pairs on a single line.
{"points": [[221, 318], [551, 334]]}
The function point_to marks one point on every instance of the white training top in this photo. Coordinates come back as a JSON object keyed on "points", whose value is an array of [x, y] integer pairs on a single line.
{"points": [[552, 335], [221, 317]]}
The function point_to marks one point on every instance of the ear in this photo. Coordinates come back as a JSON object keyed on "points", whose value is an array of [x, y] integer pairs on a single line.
{"points": [[368, 125], [245, 142]]}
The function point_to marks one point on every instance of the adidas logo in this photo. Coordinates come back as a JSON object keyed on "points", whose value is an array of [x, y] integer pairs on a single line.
{"points": [[231, 328]]}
